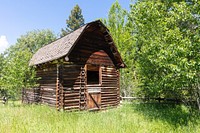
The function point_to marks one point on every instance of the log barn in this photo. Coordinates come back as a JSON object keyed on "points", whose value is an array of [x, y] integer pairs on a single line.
{"points": [[78, 71]]}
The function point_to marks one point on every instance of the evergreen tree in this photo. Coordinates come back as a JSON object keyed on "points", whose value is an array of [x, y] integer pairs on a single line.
{"points": [[75, 21]]}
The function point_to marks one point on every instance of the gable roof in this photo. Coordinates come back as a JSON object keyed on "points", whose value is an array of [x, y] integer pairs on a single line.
{"points": [[63, 46]]}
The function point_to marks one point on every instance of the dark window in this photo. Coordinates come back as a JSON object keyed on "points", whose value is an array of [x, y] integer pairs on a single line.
{"points": [[92, 75]]}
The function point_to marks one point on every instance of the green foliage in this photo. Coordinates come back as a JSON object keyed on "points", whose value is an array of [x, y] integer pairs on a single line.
{"points": [[75, 21], [16, 73], [167, 47], [136, 118], [121, 33]]}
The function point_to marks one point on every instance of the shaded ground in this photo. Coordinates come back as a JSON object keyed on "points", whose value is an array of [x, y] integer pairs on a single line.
{"points": [[176, 115]]}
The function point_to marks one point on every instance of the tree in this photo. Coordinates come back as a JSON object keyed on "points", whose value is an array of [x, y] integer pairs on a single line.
{"points": [[167, 47], [1, 68], [1, 63], [16, 73], [75, 21], [121, 32]]}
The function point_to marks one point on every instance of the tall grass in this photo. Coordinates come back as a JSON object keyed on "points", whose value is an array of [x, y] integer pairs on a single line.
{"points": [[128, 118]]}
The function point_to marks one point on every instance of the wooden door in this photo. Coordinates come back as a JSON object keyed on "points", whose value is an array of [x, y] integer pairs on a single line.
{"points": [[94, 99]]}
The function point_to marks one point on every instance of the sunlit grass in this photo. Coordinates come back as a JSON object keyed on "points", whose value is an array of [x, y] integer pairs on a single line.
{"points": [[128, 118]]}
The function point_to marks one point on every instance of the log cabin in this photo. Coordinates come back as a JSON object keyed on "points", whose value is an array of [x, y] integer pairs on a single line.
{"points": [[78, 71]]}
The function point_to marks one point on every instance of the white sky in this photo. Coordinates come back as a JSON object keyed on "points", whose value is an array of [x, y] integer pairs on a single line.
{"points": [[3, 43]]}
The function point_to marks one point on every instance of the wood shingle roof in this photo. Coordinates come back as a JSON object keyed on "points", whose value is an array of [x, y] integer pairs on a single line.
{"points": [[56, 49], [63, 46]]}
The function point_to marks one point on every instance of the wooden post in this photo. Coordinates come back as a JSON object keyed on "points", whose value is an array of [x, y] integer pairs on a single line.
{"points": [[22, 95], [100, 79], [57, 88], [61, 87], [82, 101], [118, 82]]}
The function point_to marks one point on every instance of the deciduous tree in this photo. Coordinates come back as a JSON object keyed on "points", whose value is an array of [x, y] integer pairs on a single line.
{"points": [[121, 32], [167, 47], [16, 73]]}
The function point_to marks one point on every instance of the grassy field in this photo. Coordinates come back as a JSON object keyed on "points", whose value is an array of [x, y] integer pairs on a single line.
{"points": [[128, 118]]}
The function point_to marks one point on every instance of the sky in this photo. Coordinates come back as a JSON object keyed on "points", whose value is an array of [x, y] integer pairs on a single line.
{"points": [[17, 17]]}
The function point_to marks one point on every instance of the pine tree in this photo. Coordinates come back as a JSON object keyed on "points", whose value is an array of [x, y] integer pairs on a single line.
{"points": [[75, 21]]}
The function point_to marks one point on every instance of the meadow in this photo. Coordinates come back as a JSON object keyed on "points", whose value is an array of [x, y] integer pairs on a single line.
{"points": [[127, 118]]}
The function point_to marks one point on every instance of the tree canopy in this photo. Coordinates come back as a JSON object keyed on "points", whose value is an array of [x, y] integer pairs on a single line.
{"points": [[159, 41], [16, 73], [74, 21], [118, 25], [167, 47]]}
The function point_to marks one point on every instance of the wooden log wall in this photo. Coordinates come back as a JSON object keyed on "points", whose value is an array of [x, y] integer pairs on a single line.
{"points": [[63, 85], [93, 48], [73, 86], [110, 93], [90, 49], [47, 82], [31, 95]]}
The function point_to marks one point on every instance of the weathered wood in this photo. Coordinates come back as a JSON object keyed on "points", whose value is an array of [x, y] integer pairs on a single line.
{"points": [[63, 83]]}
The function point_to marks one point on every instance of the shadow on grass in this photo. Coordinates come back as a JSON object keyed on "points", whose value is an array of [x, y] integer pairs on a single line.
{"points": [[176, 115]]}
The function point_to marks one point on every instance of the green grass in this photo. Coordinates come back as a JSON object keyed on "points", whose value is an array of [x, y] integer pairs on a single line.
{"points": [[128, 118]]}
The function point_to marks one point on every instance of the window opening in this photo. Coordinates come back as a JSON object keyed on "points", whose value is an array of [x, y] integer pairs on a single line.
{"points": [[92, 74]]}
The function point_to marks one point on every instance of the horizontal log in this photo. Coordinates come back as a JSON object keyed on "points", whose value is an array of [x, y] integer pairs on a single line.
{"points": [[110, 85], [48, 86], [71, 69], [71, 94], [110, 94], [48, 93], [70, 104], [71, 98], [47, 82], [109, 97], [49, 90], [109, 79], [47, 67], [109, 103], [109, 76], [72, 108], [94, 86], [48, 98], [106, 70], [71, 78], [71, 101], [50, 73], [72, 66]]}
